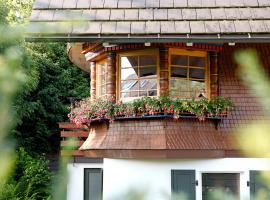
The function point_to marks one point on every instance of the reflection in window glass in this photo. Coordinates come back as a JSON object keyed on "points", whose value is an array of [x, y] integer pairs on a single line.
{"points": [[129, 73], [129, 85], [148, 71], [196, 73], [138, 76], [197, 61], [179, 60], [179, 72], [147, 60], [129, 61], [188, 76]]}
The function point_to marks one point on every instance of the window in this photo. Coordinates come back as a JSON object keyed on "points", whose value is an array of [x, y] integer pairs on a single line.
{"points": [[138, 74], [93, 184], [183, 182], [101, 78], [228, 182], [188, 74]]}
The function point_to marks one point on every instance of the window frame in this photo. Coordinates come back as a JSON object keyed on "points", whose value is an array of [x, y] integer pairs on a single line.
{"points": [[86, 175], [98, 88], [145, 52], [188, 52]]}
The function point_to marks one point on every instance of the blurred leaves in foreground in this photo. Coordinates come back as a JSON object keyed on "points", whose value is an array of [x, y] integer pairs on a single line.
{"points": [[11, 77], [255, 139]]}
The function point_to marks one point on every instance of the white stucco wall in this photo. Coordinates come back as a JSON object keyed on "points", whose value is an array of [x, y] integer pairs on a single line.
{"points": [[76, 179], [154, 176]]}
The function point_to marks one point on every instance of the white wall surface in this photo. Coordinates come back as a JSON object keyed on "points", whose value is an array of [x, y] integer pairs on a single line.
{"points": [[154, 176], [76, 179]]}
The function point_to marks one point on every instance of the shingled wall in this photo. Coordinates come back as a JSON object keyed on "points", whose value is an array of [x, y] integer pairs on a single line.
{"points": [[185, 134]]}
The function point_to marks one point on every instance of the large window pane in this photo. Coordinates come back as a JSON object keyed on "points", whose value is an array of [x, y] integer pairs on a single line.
{"points": [[179, 60], [188, 75], [138, 76], [179, 72], [197, 61], [196, 73], [129, 61]]}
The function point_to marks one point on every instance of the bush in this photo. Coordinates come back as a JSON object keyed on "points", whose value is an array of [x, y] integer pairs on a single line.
{"points": [[31, 179]]}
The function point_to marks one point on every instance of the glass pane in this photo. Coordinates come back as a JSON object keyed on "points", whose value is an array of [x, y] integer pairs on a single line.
{"points": [[179, 72], [147, 60], [179, 60], [148, 84], [198, 88], [129, 61], [197, 61], [185, 94], [129, 94], [152, 93], [174, 93], [129, 85], [180, 84], [148, 71], [196, 73], [129, 73], [143, 94]]}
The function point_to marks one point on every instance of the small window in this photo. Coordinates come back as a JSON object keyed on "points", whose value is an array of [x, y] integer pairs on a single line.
{"points": [[138, 75], [101, 78], [228, 182], [93, 179], [188, 74]]}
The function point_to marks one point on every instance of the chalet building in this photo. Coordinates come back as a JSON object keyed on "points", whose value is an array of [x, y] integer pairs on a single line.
{"points": [[137, 48]]}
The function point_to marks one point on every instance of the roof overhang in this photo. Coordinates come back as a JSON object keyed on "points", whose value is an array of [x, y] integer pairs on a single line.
{"points": [[117, 39]]}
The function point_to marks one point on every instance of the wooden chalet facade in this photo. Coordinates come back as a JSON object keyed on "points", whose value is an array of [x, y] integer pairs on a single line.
{"points": [[136, 48]]}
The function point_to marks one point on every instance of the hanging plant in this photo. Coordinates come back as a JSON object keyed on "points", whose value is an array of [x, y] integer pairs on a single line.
{"points": [[87, 111]]}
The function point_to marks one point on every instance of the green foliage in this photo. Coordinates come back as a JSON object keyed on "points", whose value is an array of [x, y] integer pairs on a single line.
{"points": [[87, 111], [31, 179], [43, 103]]}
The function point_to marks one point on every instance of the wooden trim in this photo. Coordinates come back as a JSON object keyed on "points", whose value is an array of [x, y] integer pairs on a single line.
{"points": [[161, 153], [68, 125], [98, 64], [74, 134], [111, 76], [93, 91]]}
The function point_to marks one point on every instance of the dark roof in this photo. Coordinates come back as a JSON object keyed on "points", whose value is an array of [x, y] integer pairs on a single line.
{"points": [[170, 20]]}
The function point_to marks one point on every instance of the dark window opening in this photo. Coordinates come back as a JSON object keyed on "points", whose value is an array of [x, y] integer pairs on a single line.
{"points": [[229, 183]]}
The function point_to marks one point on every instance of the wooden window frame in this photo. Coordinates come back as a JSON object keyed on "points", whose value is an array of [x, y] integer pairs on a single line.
{"points": [[146, 52], [186, 52], [98, 85]]}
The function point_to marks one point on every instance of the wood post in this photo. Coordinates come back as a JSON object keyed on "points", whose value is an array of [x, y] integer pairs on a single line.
{"points": [[111, 76], [164, 71], [214, 75], [93, 80]]}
